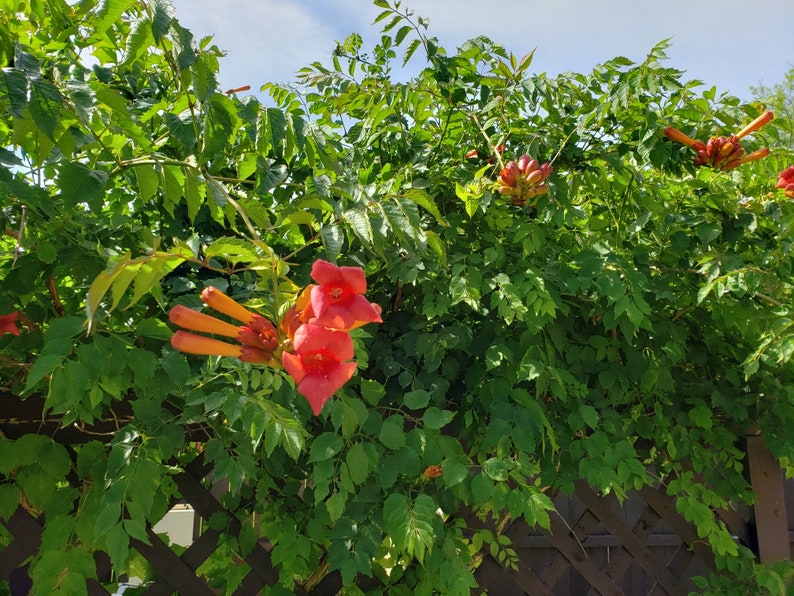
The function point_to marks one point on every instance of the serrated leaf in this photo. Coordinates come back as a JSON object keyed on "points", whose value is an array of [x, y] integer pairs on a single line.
{"points": [[275, 125], [392, 432], [421, 198], [81, 184], [9, 500], [589, 415], [138, 40], [181, 128], [109, 11], [161, 20], [402, 32], [436, 418], [360, 224], [148, 181], [335, 504], [332, 241], [16, 89], [234, 250], [145, 271], [417, 399], [358, 463], [325, 446], [45, 105], [410, 50], [220, 124], [117, 544]]}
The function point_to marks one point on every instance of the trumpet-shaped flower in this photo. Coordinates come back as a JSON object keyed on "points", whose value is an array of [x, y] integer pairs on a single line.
{"points": [[207, 346], [265, 338], [785, 181], [258, 338], [319, 364], [8, 323], [337, 301], [723, 153]]}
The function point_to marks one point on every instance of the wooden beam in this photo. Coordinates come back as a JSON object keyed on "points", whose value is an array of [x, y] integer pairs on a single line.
{"points": [[770, 502]]}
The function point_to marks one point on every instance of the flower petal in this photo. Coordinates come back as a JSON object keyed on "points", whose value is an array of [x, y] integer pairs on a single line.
{"points": [[317, 388], [312, 338]]}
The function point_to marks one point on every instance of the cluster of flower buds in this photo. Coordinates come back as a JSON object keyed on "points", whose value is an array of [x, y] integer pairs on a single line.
{"points": [[312, 342], [524, 180], [723, 153], [785, 181]]}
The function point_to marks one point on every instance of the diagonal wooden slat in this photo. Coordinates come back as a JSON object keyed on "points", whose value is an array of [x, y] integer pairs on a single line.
{"points": [[622, 560], [174, 574], [642, 555], [664, 506], [571, 549], [27, 538], [523, 576], [206, 505], [581, 529]]}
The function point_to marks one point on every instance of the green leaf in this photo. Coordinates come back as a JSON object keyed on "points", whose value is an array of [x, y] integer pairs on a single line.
{"points": [[45, 106], [109, 11], [80, 184], [163, 16], [589, 415], [417, 399], [16, 89], [233, 250], [117, 543], [454, 472], [145, 271], [392, 432], [436, 418], [360, 224], [148, 181], [421, 198], [410, 525], [332, 241], [181, 128], [335, 504], [154, 328], [497, 468], [325, 446], [358, 463], [9, 500], [220, 125], [63, 571], [372, 391]]}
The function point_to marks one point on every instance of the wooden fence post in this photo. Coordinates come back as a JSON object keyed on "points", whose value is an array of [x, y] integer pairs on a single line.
{"points": [[770, 503]]}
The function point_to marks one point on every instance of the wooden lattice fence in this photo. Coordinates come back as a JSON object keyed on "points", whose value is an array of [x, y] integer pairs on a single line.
{"points": [[595, 545]]}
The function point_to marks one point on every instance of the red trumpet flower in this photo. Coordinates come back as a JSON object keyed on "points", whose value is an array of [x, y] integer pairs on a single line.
{"points": [[786, 182], [258, 337], [8, 323], [338, 301], [319, 364]]}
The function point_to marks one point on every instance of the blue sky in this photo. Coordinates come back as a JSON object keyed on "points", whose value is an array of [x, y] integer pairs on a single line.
{"points": [[730, 44]]}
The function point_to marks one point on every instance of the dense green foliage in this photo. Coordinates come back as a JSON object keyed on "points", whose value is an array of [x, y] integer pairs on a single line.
{"points": [[627, 329]]}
